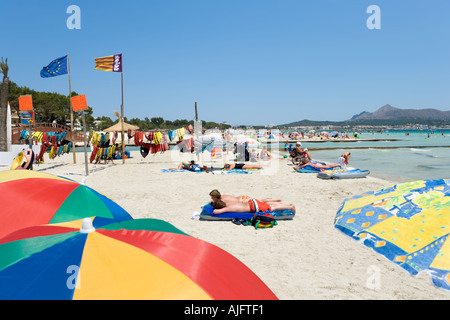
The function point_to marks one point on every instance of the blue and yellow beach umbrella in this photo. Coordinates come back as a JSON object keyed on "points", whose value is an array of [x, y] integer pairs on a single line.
{"points": [[408, 223], [133, 259]]}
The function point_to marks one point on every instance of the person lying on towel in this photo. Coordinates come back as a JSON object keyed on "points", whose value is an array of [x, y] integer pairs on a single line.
{"points": [[241, 166], [191, 166], [227, 203], [315, 165]]}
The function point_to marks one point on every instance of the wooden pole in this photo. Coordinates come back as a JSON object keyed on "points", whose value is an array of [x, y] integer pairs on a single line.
{"points": [[121, 120], [71, 112], [196, 134], [86, 165], [196, 113]]}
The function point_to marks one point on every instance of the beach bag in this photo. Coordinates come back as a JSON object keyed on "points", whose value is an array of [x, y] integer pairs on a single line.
{"points": [[262, 220]]}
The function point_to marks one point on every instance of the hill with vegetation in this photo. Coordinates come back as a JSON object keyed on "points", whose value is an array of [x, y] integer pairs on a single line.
{"points": [[386, 116]]}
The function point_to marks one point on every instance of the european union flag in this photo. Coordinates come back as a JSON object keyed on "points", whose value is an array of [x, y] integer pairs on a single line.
{"points": [[56, 68]]}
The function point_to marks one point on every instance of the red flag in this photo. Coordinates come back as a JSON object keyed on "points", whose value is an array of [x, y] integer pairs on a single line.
{"points": [[26, 103], [79, 103]]}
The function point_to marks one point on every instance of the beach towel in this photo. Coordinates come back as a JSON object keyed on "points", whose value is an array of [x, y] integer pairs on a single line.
{"points": [[233, 171], [308, 169], [181, 170]]}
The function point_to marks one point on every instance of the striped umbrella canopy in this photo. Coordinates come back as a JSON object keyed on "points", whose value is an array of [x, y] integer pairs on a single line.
{"points": [[208, 143], [408, 223], [134, 259], [33, 198], [251, 143]]}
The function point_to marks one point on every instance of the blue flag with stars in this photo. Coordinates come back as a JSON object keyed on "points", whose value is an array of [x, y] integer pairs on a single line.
{"points": [[56, 68]]}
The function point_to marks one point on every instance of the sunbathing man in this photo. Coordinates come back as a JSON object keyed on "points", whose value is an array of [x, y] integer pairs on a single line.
{"points": [[315, 165], [241, 166], [230, 204], [228, 199]]}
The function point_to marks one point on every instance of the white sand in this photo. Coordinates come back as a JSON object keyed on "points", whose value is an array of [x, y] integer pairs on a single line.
{"points": [[304, 258]]}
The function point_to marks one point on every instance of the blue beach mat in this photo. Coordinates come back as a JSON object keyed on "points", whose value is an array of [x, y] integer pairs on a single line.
{"points": [[233, 171], [310, 169], [181, 170], [207, 214]]}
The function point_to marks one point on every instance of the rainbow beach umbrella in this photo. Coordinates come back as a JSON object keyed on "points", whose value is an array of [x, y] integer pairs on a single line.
{"points": [[134, 259], [407, 223], [33, 198]]}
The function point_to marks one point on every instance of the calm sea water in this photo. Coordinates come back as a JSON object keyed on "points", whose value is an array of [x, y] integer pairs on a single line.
{"points": [[420, 156]]}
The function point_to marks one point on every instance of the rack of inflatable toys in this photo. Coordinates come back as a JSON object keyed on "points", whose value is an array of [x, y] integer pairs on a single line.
{"points": [[104, 146], [156, 141], [54, 141]]}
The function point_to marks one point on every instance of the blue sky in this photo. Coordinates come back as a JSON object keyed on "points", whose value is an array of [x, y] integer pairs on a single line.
{"points": [[244, 61]]}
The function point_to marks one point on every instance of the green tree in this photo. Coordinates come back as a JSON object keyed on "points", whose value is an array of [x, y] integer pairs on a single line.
{"points": [[168, 124], [105, 122], [157, 122]]}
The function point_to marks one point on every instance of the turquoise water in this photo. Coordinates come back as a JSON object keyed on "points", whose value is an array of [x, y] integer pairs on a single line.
{"points": [[420, 156], [414, 157]]}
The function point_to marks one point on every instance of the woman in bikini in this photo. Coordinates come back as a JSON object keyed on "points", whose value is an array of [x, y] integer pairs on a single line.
{"points": [[315, 165], [344, 159], [241, 166]]}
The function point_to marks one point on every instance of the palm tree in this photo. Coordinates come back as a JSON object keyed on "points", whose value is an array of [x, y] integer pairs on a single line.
{"points": [[4, 95]]}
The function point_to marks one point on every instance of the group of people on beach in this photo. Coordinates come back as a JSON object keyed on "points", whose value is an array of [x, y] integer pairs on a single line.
{"points": [[303, 153], [244, 204], [306, 159], [192, 166]]}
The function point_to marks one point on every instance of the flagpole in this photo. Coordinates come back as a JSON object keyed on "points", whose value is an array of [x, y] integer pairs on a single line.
{"points": [[71, 112], [85, 145], [121, 118]]}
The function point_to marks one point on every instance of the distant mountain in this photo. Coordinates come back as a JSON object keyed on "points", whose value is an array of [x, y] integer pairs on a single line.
{"points": [[389, 112], [386, 115]]}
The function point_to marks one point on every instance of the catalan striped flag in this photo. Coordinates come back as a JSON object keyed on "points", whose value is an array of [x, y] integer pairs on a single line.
{"points": [[109, 63]]}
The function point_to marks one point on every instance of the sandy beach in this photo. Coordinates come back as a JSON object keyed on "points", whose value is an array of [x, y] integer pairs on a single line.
{"points": [[303, 258]]}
